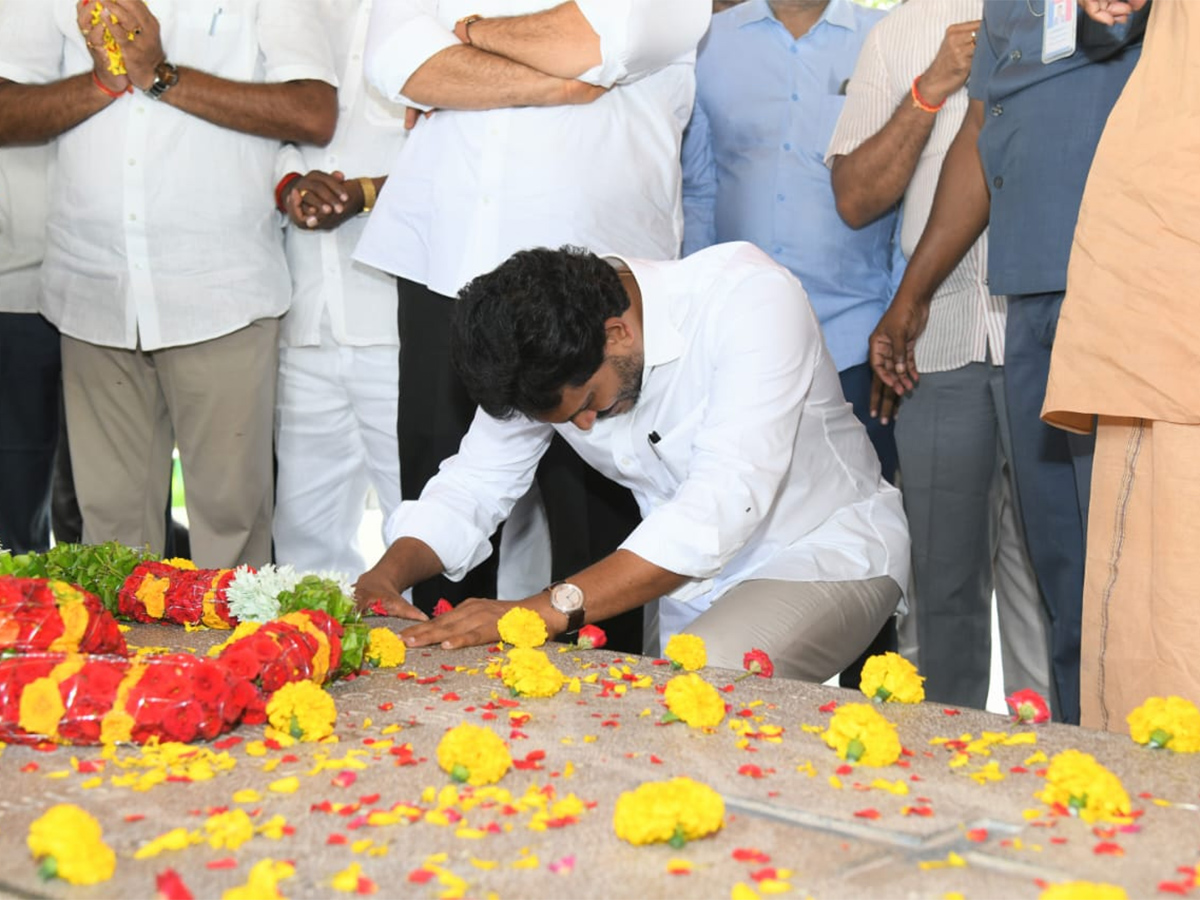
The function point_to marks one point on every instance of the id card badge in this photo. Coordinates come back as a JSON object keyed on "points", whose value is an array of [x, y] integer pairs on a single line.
{"points": [[1058, 30]]}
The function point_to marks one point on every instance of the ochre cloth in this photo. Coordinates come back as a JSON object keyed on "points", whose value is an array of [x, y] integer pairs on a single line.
{"points": [[1128, 336], [1140, 615]]}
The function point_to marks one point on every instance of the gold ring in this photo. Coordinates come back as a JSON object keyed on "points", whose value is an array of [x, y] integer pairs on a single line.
{"points": [[303, 191], [972, 37]]}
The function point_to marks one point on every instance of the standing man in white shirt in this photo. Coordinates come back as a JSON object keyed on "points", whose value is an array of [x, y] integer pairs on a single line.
{"points": [[164, 266], [335, 414], [904, 106], [704, 386], [560, 125]]}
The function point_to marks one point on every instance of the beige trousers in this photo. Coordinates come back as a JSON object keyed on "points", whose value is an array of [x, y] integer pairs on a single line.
{"points": [[811, 629], [127, 409]]}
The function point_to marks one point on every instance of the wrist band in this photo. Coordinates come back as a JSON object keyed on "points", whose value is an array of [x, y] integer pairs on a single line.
{"points": [[920, 103], [466, 22], [105, 90], [281, 189], [368, 190]]}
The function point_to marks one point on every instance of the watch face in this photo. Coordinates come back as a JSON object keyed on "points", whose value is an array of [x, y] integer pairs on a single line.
{"points": [[566, 597]]}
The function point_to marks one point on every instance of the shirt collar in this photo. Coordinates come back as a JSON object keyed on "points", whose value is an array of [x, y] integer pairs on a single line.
{"points": [[661, 341], [838, 12]]}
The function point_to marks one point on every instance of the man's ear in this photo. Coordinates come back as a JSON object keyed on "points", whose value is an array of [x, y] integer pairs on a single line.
{"points": [[617, 331]]}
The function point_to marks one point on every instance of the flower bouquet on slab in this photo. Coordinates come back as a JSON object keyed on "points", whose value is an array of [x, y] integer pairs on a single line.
{"points": [[101, 569], [176, 591], [42, 614]]}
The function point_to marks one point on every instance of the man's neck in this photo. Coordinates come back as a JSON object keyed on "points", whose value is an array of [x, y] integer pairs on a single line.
{"points": [[798, 16]]}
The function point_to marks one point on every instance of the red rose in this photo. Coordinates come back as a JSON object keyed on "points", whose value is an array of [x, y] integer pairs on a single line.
{"points": [[441, 607], [592, 638], [757, 662], [209, 684], [181, 721], [241, 661], [1028, 706]]}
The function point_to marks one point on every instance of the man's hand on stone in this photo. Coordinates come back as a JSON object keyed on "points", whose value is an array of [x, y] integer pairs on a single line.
{"points": [[472, 623], [950, 68], [375, 589], [136, 32]]}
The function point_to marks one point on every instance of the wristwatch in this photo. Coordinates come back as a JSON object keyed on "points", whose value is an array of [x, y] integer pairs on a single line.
{"points": [[567, 598], [166, 76]]}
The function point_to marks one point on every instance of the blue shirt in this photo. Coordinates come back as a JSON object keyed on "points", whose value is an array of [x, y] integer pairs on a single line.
{"points": [[754, 162], [1040, 130]]}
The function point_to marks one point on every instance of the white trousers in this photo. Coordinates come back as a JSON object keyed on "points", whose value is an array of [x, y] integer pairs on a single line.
{"points": [[335, 437]]}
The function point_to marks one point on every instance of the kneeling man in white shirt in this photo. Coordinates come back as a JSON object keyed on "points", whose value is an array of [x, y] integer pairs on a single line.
{"points": [[704, 386]]}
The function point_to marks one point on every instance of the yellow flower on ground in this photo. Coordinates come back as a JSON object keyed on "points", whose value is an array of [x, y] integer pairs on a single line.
{"points": [[686, 651], [675, 812], [228, 829], [263, 883], [530, 673], [385, 649], [1082, 890], [301, 710], [473, 754], [1170, 722], [860, 734], [890, 678], [69, 844], [692, 699], [522, 627], [1079, 784]]}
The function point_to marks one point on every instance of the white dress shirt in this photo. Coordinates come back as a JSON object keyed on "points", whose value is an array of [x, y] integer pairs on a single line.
{"points": [[162, 226], [357, 301], [24, 172], [965, 320], [761, 469], [471, 187]]}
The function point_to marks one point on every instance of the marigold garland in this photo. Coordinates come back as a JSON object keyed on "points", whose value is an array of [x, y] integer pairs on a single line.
{"points": [[860, 734], [1075, 782], [1082, 890], [302, 711], [686, 651], [1166, 722], [473, 754], [530, 673], [674, 812], [890, 678], [69, 844], [694, 701], [522, 627], [385, 649]]}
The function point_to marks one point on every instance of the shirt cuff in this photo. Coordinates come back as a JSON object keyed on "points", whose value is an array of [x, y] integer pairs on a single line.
{"points": [[391, 63], [281, 74], [458, 543], [678, 543]]}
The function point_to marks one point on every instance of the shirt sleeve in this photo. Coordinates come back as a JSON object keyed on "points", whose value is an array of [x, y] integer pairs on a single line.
{"points": [[402, 35], [870, 100], [473, 492], [31, 43], [639, 37], [699, 184], [293, 49], [764, 343]]}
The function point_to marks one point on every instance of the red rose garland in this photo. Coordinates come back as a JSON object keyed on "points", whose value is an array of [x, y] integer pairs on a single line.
{"points": [[40, 614], [160, 592]]}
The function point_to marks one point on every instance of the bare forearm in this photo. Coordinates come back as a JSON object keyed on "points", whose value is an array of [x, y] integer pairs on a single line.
{"points": [[960, 213], [408, 561], [558, 41], [466, 77], [37, 113], [300, 111]]}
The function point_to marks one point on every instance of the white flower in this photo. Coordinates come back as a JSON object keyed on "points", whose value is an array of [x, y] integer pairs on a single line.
{"points": [[254, 596]]}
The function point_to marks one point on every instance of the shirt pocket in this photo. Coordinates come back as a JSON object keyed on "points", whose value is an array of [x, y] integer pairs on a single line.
{"points": [[673, 449], [216, 37], [829, 108]]}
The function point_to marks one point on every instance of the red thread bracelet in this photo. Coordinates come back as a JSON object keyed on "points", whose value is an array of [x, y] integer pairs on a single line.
{"points": [[107, 91], [920, 102], [281, 189]]}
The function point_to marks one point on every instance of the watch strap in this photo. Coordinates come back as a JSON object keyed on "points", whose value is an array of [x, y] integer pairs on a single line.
{"points": [[166, 76]]}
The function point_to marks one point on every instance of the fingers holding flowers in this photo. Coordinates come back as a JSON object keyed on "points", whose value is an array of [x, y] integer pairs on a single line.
{"points": [[135, 32]]}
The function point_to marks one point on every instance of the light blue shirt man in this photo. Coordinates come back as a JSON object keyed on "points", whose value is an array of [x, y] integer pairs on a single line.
{"points": [[753, 162]]}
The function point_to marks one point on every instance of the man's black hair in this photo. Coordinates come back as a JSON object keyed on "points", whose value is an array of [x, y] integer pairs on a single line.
{"points": [[533, 326]]}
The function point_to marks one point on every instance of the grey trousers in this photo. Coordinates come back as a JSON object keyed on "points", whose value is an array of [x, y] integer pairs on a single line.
{"points": [[952, 437], [810, 629], [127, 409]]}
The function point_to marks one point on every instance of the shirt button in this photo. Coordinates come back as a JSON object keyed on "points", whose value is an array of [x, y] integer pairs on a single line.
{"points": [[1015, 55], [133, 162], [998, 182], [626, 461], [793, 49], [795, 96], [787, 146], [779, 197], [133, 217], [777, 250], [997, 110]]}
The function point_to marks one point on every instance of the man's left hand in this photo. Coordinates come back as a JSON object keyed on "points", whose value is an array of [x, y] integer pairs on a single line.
{"points": [[136, 32], [470, 624]]}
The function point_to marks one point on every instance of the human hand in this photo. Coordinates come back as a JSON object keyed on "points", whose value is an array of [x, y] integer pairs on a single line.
{"points": [[580, 93], [892, 344], [93, 36], [472, 623], [323, 200], [884, 401], [412, 116], [1111, 12], [375, 586], [135, 30], [950, 68]]}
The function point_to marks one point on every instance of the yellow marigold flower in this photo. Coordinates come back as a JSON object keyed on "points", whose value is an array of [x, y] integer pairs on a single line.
{"points": [[860, 734], [153, 593], [522, 627], [41, 707], [686, 651], [890, 678], [230, 829], [180, 562], [1170, 722], [473, 754], [692, 699], [530, 673], [69, 844], [675, 811], [1076, 782], [302, 710], [1082, 890], [263, 883], [385, 649]]}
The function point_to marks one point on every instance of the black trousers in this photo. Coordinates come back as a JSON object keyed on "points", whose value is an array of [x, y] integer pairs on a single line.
{"points": [[30, 373], [588, 515]]}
